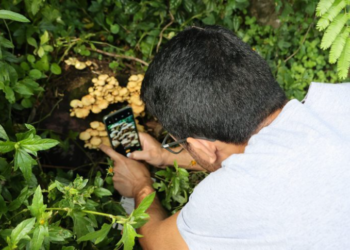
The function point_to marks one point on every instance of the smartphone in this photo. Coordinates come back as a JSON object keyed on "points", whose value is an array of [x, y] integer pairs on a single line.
{"points": [[122, 131]]}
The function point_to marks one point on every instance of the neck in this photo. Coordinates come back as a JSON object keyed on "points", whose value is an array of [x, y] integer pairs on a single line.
{"points": [[224, 150]]}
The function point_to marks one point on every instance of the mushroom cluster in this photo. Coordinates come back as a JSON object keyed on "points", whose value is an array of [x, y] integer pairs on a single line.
{"points": [[106, 91], [95, 136], [77, 64]]}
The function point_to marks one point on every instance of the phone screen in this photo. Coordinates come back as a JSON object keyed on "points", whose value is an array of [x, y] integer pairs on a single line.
{"points": [[122, 131]]}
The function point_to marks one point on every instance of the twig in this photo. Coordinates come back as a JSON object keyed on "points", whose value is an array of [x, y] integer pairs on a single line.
{"points": [[49, 114], [165, 27], [119, 56], [295, 52]]}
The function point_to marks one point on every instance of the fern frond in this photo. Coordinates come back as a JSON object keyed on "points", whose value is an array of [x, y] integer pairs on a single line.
{"points": [[338, 6], [338, 45], [323, 6], [344, 61], [333, 30]]}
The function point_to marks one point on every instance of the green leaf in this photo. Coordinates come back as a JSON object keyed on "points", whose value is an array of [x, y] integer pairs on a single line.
{"points": [[100, 192], [56, 69], [22, 230], [24, 161], [7, 146], [333, 30], [331, 14], [9, 94], [3, 134], [31, 58], [97, 236], [128, 238], [35, 74], [40, 51], [37, 208], [82, 224], [39, 235], [35, 144], [16, 203], [338, 46], [22, 89], [344, 61], [115, 28], [58, 234], [31, 41], [144, 205], [209, 20], [323, 6], [6, 43], [44, 38], [6, 14]]}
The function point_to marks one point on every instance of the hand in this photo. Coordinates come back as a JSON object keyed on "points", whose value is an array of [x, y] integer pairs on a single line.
{"points": [[152, 152], [130, 176]]}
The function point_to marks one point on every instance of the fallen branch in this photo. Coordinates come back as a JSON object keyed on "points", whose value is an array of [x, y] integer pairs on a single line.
{"points": [[165, 27], [119, 56]]}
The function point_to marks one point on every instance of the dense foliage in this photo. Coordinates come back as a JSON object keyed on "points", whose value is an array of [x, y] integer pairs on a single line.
{"points": [[41, 209]]}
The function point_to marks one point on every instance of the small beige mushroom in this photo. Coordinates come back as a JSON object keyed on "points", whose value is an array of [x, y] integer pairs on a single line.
{"points": [[88, 100], [133, 78], [101, 127], [94, 80], [88, 63], [81, 112], [115, 92], [84, 136], [105, 141], [91, 89], [103, 133], [95, 141], [80, 65], [94, 124], [123, 91], [100, 83], [95, 109], [103, 77], [76, 104], [109, 98], [72, 113], [94, 133], [102, 104]]}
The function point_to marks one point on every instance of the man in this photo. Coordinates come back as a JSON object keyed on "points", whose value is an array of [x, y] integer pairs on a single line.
{"points": [[280, 169]]}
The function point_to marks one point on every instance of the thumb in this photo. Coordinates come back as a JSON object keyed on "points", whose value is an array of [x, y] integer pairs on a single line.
{"points": [[139, 155]]}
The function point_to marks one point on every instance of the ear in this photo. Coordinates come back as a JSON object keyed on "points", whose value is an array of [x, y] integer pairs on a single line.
{"points": [[205, 148]]}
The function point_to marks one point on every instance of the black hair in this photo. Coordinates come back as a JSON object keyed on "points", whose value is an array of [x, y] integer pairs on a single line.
{"points": [[206, 82]]}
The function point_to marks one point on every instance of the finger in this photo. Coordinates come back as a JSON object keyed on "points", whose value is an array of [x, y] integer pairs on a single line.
{"points": [[143, 137], [110, 152], [139, 155]]}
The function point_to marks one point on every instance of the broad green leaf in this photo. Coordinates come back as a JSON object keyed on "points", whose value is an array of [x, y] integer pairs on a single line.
{"points": [[44, 38], [35, 74], [9, 94], [144, 205], [97, 236], [32, 41], [3, 134], [6, 146], [128, 238], [34, 144], [24, 161], [31, 58], [6, 14], [68, 248], [16, 203], [98, 182], [28, 134], [40, 51], [59, 234], [6, 43], [101, 192], [56, 69], [82, 225], [39, 235], [37, 207], [22, 230], [115, 28], [22, 89]]}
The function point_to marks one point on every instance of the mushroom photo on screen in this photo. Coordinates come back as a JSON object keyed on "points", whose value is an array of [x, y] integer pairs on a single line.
{"points": [[125, 134]]}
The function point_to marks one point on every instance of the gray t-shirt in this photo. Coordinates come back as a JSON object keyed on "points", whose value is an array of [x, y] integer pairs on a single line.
{"points": [[289, 190]]}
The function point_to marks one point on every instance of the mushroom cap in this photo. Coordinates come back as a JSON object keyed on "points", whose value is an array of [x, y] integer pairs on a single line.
{"points": [[95, 109], [133, 78], [76, 103], [103, 133], [102, 104], [80, 65], [94, 80], [123, 91], [94, 124], [105, 141], [88, 100], [94, 133], [141, 76], [91, 89], [82, 112], [100, 82], [84, 136], [88, 63], [101, 127], [95, 141], [103, 77], [137, 109]]}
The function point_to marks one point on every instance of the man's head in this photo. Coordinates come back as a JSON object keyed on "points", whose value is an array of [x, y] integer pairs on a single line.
{"points": [[206, 82]]}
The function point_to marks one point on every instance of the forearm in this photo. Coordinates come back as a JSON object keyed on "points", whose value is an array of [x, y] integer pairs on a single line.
{"points": [[157, 215], [184, 160]]}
